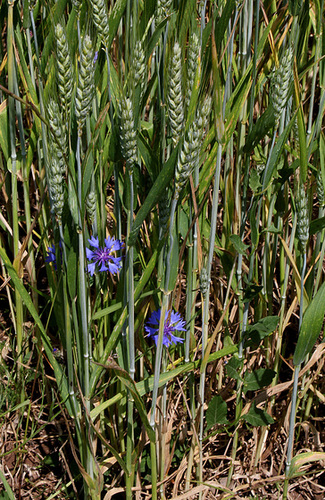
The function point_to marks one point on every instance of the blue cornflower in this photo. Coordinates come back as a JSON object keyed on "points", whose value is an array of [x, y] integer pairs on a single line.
{"points": [[173, 322], [51, 255], [103, 256]]}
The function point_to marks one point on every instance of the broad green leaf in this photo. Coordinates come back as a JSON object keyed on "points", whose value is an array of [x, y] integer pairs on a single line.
{"points": [[254, 181], [232, 367], [218, 93], [148, 157], [257, 417], [311, 326], [173, 263], [301, 130], [251, 291], [239, 245], [216, 412], [258, 379], [256, 332], [106, 311], [73, 201]]}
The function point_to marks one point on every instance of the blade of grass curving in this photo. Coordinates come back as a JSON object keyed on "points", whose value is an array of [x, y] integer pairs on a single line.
{"points": [[145, 386], [58, 371]]}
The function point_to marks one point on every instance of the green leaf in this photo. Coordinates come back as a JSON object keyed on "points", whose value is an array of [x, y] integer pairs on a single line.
{"points": [[115, 18], [72, 273], [240, 247], [162, 181], [8, 494], [258, 379], [277, 151], [254, 181], [257, 417], [4, 129], [173, 263], [216, 412], [233, 368], [221, 24], [256, 332], [251, 291], [302, 459], [317, 225], [295, 7], [148, 157], [311, 326], [253, 220], [260, 129]]}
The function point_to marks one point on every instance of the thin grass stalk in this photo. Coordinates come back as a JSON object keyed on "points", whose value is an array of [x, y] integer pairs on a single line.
{"points": [[206, 301], [129, 150], [295, 385], [19, 313], [283, 304], [164, 309], [117, 201], [82, 297], [163, 417], [130, 301], [68, 333], [202, 13]]}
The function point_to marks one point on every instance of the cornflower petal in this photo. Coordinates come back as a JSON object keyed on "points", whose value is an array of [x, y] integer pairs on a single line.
{"points": [[91, 269], [94, 242]]}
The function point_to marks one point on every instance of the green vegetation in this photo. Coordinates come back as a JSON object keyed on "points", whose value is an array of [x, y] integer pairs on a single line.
{"points": [[162, 173]]}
